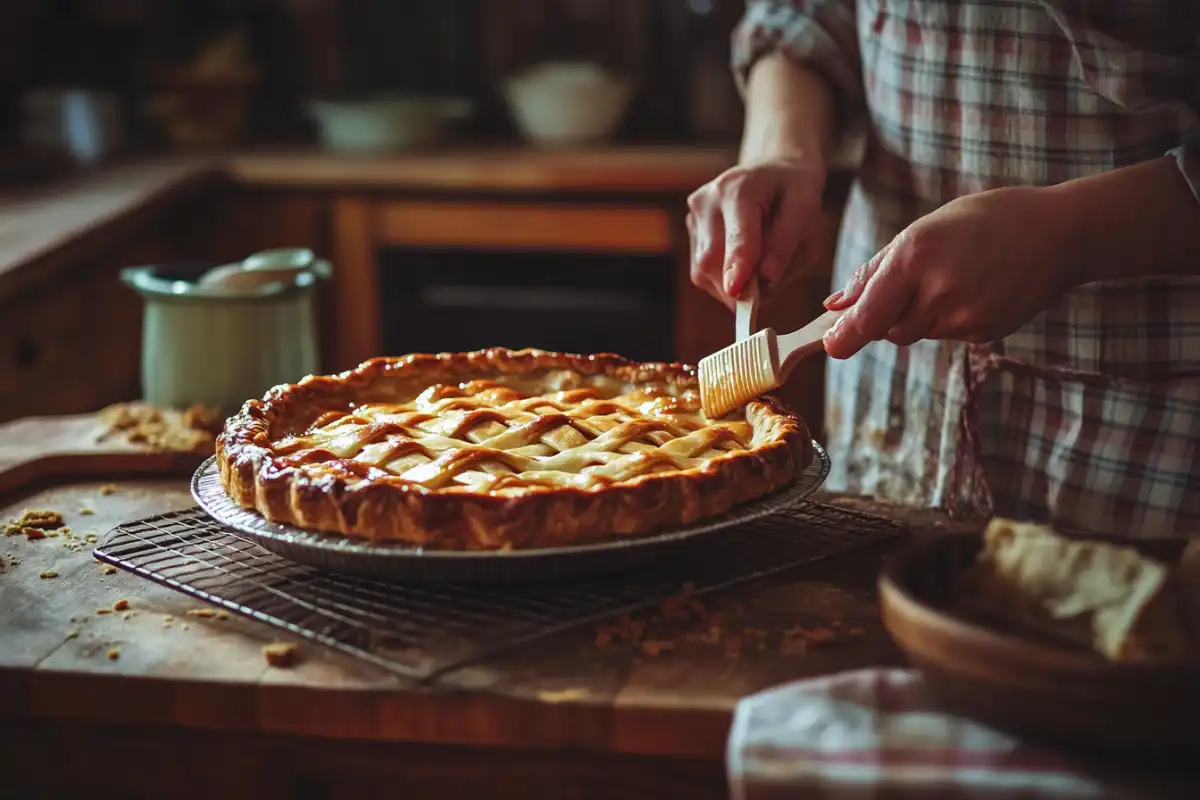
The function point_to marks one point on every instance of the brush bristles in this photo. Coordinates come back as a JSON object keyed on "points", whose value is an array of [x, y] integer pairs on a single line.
{"points": [[734, 376]]}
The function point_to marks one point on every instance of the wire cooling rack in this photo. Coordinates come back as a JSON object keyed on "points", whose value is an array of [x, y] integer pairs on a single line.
{"points": [[428, 630]]}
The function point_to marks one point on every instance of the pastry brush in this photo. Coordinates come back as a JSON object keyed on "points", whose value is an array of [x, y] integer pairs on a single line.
{"points": [[758, 362]]}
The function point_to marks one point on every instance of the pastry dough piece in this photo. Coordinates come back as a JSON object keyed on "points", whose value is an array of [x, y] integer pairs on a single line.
{"points": [[1094, 594]]}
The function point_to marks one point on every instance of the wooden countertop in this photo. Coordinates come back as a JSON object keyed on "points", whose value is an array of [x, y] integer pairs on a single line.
{"points": [[203, 672], [65, 222], [629, 170], [47, 228]]}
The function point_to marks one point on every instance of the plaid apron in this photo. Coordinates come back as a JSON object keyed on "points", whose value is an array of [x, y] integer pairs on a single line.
{"points": [[1089, 416]]}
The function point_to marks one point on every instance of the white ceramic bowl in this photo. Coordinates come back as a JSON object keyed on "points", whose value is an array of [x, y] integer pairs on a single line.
{"points": [[567, 104], [385, 124]]}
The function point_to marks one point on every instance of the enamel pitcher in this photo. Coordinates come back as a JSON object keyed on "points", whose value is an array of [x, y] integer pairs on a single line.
{"points": [[220, 336]]}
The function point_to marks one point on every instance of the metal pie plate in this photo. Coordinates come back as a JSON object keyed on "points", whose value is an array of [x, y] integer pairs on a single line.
{"points": [[391, 561]]}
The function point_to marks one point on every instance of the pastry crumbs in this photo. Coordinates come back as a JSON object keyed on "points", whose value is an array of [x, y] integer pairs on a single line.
{"points": [[194, 430], [114, 654], [108, 488], [109, 569], [121, 605], [201, 612], [280, 654], [86, 510], [103, 610], [47, 573], [39, 518]]}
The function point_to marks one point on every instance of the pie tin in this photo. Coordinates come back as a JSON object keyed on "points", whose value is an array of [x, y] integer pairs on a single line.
{"points": [[392, 561]]}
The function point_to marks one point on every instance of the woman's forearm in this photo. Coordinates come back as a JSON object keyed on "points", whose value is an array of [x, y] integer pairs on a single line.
{"points": [[1133, 222], [790, 112]]}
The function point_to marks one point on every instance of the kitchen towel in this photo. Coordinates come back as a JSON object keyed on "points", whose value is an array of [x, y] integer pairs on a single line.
{"points": [[877, 733]]}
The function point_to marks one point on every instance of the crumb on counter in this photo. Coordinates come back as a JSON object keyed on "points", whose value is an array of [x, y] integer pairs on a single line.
{"points": [[108, 569], [34, 519], [682, 622], [86, 510], [47, 573], [71, 634], [280, 654], [202, 612], [114, 654], [103, 610], [121, 605], [108, 488]]}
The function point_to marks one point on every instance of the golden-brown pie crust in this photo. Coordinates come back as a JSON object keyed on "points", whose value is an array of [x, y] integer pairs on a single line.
{"points": [[339, 495]]}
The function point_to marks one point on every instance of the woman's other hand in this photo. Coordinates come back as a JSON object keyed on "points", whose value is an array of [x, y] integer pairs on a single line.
{"points": [[761, 218]]}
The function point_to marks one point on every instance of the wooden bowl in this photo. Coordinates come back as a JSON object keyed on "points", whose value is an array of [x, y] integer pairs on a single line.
{"points": [[1035, 690]]}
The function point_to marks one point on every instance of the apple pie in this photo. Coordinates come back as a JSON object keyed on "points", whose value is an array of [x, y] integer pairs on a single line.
{"points": [[501, 449]]}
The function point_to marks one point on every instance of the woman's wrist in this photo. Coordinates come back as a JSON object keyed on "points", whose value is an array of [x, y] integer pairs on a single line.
{"points": [[1068, 227], [784, 140]]}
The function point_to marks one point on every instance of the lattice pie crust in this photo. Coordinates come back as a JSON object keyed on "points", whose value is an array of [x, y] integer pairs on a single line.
{"points": [[502, 449]]}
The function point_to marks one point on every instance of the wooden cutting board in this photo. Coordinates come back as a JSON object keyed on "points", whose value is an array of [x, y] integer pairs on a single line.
{"points": [[39, 450]]}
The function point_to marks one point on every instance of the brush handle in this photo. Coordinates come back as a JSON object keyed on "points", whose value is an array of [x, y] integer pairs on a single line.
{"points": [[746, 315], [794, 347]]}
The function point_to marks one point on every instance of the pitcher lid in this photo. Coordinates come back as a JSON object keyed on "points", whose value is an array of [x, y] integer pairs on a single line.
{"points": [[262, 275]]}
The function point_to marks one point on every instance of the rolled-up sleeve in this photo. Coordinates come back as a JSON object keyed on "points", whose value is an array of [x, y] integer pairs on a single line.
{"points": [[821, 34]]}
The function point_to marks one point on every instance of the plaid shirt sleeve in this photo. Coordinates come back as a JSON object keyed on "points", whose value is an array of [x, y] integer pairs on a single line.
{"points": [[821, 34]]}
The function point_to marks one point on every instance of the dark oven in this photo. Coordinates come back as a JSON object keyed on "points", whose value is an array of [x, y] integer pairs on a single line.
{"points": [[441, 300]]}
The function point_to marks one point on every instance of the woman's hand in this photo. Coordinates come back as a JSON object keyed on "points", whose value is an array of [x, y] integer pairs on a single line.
{"points": [[759, 218], [975, 270]]}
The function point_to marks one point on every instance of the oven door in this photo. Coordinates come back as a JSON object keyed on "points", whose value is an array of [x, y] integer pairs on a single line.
{"points": [[445, 301]]}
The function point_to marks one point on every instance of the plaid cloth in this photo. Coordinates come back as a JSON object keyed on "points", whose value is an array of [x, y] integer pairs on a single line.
{"points": [[877, 733], [1089, 416]]}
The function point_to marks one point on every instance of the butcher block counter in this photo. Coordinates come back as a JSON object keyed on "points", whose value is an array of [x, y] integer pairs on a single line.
{"points": [[111, 685]]}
